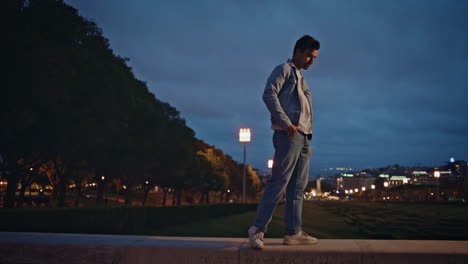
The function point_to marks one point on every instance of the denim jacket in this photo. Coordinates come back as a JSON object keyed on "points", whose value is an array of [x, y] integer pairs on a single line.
{"points": [[282, 99]]}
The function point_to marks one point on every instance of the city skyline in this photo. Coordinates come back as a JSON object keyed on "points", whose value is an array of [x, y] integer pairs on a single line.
{"points": [[388, 85]]}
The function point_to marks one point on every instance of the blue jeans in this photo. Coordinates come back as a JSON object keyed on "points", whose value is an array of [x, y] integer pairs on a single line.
{"points": [[291, 172]]}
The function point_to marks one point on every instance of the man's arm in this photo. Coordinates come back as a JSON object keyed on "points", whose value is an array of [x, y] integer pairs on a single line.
{"points": [[270, 96]]}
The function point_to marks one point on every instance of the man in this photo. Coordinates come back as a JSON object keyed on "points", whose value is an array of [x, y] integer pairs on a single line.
{"points": [[288, 98]]}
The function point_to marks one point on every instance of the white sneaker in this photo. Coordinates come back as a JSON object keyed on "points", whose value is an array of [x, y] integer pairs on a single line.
{"points": [[301, 238], [255, 237]]}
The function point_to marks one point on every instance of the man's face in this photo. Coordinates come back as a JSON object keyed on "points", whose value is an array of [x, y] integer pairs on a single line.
{"points": [[306, 58]]}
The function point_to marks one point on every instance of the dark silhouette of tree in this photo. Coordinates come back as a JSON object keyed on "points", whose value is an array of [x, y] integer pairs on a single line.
{"points": [[74, 111]]}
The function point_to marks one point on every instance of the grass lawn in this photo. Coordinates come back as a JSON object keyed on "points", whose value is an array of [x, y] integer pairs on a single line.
{"points": [[345, 220], [323, 219]]}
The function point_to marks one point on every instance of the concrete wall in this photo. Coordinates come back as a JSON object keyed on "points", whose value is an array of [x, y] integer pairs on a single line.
{"points": [[16, 247]]}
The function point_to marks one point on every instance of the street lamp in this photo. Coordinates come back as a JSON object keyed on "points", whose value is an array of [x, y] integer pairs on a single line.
{"points": [[363, 189], [405, 181], [244, 137], [270, 163], [373, 193], [356, 190], [437, 176], [270, 166], [385, 184]]}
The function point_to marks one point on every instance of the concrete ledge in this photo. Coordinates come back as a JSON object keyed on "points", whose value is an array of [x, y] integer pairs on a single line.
{"points": [[18, 247]]}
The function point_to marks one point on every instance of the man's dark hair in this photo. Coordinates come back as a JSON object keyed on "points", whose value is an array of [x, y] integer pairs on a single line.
{"points": [[306, 42]]}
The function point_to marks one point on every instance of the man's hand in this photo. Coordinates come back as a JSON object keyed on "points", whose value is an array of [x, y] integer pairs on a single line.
{"points": [[291, 130]]}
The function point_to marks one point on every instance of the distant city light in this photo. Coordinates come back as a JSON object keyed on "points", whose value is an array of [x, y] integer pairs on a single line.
{"points": [[452, 160], [372, 186], [356, 190], [398, 178], [363, 189]]}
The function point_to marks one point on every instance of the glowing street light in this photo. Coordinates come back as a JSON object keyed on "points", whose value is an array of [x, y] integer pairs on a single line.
{"points": [[356, 190], [363, 189], [103, 178], [437, 176], [405, 181], [385, 184], [244, 137], [270, 163], [373, 193]]}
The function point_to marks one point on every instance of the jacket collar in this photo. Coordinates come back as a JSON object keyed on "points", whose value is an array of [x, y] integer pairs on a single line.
{"points": [[290, 62]]}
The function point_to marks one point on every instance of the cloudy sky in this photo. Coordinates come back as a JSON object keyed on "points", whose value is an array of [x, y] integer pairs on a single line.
{"points": [[389, 85]]}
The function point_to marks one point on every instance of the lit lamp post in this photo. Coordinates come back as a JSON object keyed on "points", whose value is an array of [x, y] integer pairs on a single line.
{"points": [[385, 184], [270, 166], [244, 137], [437, 176], [270, 163], [373, 193], [405, 181]]}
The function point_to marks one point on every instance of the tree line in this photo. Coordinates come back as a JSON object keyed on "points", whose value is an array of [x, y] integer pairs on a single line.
{"points": [[72, 112]]}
